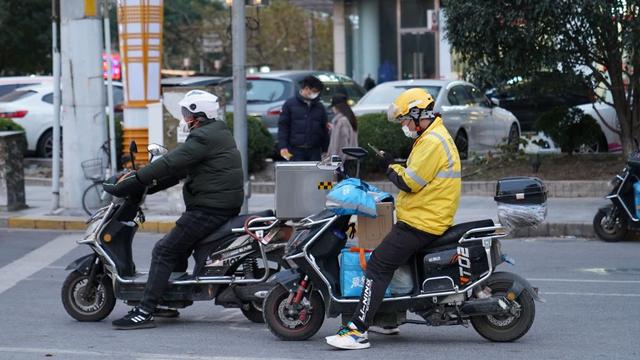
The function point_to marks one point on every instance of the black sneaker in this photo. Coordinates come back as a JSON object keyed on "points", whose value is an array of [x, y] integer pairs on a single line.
{"points": [[137, 318], [168, 313]]}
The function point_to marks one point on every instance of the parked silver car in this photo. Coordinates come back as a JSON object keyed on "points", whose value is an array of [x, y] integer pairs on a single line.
{"points": [[475, 123], [267, 92]]}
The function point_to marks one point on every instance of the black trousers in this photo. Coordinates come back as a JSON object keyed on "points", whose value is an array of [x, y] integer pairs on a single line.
{"points": [[305, 154], [172, 252], [395, 250]]}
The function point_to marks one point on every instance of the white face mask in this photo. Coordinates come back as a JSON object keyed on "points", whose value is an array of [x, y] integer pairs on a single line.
{"points": [[183, 126], [408, 133], [314, 95]]}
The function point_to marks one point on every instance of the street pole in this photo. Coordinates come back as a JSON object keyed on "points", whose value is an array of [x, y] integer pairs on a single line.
{"points": [[239, 94], [311, 60], [55, 157], [83, 100], [112, 119]]}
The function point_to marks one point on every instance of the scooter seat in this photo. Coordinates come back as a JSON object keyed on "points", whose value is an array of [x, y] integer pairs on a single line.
{"points": [[236, 222], [454, 233]]}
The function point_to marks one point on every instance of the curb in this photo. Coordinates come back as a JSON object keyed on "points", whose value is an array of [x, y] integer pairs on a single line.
{"points": [[559, 188], [556, 188], [580, 230], [73, 223]]}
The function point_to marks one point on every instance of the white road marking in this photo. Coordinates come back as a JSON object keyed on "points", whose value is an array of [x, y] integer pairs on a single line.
{"points": [[127, 355], [589, 294], [589, 281], [29, 264]]}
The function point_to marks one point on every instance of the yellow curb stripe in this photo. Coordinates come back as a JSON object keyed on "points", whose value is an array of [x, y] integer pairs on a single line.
{"points": [[21, 223], [45, 223]]}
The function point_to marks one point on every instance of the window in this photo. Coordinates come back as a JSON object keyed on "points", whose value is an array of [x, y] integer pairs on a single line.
{"points": [[118, 95], [458, 96], [48, 98], [16, 95], [386, 94], [260, 91], [477, 96]]}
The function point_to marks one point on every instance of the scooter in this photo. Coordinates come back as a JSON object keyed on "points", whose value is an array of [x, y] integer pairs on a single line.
{"points": [[454, 282], [614, 222], [232, 264]]}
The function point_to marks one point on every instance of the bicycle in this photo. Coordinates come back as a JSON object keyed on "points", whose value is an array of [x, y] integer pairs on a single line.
{"points": [[97, 170]]}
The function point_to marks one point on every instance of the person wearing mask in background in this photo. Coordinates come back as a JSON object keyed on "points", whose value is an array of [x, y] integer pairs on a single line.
{"points": [[344, 129], [303, 134]]}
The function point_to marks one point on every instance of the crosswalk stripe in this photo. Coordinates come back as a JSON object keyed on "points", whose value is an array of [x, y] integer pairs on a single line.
{"points": [[32, 262]]}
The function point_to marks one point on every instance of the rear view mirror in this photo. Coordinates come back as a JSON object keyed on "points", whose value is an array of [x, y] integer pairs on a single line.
{"points": [[495, 102], [356, 152], [133, 148]]}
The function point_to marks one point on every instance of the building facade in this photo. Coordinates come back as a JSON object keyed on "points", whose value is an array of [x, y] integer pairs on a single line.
{"points": [[391, 40]]}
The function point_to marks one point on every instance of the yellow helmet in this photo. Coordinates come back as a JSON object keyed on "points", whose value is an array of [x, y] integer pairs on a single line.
{"points": [[415, 98]]}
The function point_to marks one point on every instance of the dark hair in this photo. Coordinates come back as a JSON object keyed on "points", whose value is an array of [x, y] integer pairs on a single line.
{"points": [[311, 82], [344, 109]]}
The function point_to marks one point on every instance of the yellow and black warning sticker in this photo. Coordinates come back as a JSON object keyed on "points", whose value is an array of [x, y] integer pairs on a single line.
{"points": [[325, 185]]}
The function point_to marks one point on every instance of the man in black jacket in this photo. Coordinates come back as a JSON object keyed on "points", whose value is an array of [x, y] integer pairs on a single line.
{"points": [[302, 129], [213, 194]]}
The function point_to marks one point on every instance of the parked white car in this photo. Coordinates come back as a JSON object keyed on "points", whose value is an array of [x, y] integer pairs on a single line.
{"points": [[608, 120], [475, 123], [32, 108]]}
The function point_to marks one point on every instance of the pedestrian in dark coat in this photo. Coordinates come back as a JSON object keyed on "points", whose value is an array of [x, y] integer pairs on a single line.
{"points": [[303, 134]]}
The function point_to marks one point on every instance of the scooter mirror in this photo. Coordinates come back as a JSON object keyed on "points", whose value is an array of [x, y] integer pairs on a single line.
{"points": [[133, 148], [356, 152]]}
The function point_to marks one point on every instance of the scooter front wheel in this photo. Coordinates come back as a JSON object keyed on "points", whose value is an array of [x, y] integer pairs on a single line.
{"points": [[94, 305], [293, 322], [610, 230]]}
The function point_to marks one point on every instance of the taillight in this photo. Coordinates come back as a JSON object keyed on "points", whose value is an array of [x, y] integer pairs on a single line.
{"points": [[275, 111], [14, 114]]}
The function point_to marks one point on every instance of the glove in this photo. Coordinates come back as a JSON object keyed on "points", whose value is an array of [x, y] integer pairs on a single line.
{"points": [[129, 184], [386, 160]]}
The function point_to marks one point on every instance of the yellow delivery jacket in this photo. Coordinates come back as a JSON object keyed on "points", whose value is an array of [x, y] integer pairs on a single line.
{"points": [[433, 175]]}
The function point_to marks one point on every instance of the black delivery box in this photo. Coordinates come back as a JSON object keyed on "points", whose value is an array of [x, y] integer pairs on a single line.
{"points": [[521, 190]]}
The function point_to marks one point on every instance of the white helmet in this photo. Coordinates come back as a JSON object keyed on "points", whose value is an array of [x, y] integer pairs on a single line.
{"points": [[198, 101]]}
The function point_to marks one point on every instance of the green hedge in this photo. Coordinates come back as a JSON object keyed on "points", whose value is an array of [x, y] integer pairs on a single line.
{"points": [[374, 129], [9, 125], [569, 128], [261, 143]]}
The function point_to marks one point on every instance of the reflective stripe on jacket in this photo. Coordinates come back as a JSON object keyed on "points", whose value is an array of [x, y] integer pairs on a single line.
{"points": [[433, 175]]}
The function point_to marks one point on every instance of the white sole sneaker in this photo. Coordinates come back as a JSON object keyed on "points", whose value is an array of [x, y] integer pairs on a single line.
{"points": [[341, 342], [383, 331]]}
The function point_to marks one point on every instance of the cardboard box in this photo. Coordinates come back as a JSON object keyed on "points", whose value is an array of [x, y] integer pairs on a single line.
{"points": [[371, 231]]}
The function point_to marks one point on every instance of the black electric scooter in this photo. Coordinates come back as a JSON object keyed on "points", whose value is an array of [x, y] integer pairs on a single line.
{"points": [[614, 222], [454, 282], [231, 265]]}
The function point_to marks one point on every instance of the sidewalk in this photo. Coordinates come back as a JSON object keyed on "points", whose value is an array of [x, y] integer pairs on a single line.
{"points": [[566, 216]]}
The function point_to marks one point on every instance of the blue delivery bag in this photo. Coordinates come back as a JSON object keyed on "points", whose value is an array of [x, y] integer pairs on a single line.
{"points": [[353, 196], [352, 273], [636, 190]]}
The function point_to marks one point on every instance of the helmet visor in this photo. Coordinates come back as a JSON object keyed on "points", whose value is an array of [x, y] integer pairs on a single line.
{"points": [[186, 114]]}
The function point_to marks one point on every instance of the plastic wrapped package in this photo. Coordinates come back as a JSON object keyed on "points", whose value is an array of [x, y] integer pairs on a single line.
{"points": [[514, 216], [522, 202]]}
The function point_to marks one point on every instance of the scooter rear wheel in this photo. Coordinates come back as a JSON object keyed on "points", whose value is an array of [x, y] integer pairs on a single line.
{"points": [[506, 328], [96, 306], [293, 323]]}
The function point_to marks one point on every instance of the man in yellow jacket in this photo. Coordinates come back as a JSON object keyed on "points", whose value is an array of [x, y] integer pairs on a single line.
{"points": [[429, 195]]}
